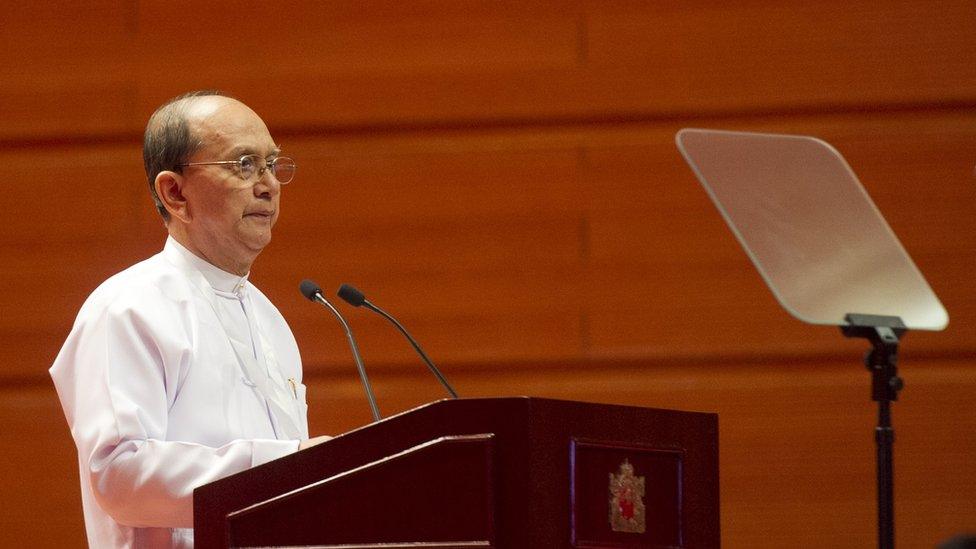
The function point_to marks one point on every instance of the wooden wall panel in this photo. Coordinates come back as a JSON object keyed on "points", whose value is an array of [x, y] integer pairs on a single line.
{"points": [[633, 225], [72, 221], [591, 233], [67, 70], [40, 488], [763, 56], [665, 228], [642, 59], [388, 38], [440, 62], [72, 194]]}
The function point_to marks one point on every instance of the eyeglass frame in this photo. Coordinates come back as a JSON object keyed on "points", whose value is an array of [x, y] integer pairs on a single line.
{"points": [[268, 165]]}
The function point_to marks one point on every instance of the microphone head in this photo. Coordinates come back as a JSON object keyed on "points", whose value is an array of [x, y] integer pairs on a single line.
{"points": [[309, 289], [351, 295]]}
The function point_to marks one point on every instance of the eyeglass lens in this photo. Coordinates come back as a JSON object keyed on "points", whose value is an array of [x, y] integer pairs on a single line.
{"points": [[282, 167]]}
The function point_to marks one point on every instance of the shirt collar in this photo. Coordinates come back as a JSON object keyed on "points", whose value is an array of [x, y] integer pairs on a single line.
{"points": [[218, 279]]}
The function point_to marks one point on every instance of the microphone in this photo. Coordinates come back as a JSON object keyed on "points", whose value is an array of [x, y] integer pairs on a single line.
{"points": [[356, 298], [313, 292]]}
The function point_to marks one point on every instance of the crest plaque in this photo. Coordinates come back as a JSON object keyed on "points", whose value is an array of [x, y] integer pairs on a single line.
{"points": [[627, 511]]}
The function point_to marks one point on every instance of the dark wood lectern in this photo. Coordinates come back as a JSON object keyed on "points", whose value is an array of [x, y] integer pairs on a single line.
{"points": [[502, 472]]}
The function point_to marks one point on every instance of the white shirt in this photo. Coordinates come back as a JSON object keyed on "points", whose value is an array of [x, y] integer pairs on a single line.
{"points": [[175, 374]]}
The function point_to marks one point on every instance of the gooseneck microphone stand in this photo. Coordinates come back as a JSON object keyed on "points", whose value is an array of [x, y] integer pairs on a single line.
{"points": [[313, 293]]}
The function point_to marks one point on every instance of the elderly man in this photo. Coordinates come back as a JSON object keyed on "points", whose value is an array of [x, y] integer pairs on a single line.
{"points": [[178, 371]]}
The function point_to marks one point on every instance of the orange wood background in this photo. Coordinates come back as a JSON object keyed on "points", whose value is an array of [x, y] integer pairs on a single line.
{"points": [[502, 177]]}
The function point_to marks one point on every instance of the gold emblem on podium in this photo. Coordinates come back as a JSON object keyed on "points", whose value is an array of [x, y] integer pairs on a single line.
{"points": [[627, 513]]}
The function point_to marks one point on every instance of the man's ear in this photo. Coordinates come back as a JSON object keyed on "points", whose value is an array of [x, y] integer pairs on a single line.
{"points": [[169, 189]]}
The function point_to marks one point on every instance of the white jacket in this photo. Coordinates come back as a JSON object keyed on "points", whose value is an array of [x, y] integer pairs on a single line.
{"points": [[165, 389]]}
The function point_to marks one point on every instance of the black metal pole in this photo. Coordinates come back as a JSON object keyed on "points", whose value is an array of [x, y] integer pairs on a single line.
{"points": [[882, 362], [885, 438]]}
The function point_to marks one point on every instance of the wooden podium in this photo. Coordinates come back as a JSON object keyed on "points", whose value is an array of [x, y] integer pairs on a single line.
{"points": [[498, 472]]}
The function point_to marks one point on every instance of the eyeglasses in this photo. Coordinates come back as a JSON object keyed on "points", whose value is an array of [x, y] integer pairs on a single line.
{"points": [[282, 167]]}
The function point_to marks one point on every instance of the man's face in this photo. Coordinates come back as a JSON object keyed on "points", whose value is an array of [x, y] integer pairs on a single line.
{"points": [[230, 219]]}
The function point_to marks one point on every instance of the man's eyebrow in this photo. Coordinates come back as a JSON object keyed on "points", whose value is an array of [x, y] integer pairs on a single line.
{"points": [[242, 150]]}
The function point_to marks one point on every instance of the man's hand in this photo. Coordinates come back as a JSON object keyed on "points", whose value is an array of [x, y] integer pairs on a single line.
{"points": [[312, 442]]}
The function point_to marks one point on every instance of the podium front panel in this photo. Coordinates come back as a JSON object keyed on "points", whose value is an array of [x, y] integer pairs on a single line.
{"points": [[625, 495], [435, 493]]}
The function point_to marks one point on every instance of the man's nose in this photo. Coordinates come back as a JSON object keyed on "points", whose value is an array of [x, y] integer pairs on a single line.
{"points": [[267, 184]]}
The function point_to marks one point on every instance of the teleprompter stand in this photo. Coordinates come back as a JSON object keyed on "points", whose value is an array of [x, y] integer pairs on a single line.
{"points": [[824, 250], [884, 333]]}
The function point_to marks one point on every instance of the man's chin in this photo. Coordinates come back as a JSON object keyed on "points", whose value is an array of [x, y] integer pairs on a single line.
{"points": [[257, 241]]}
